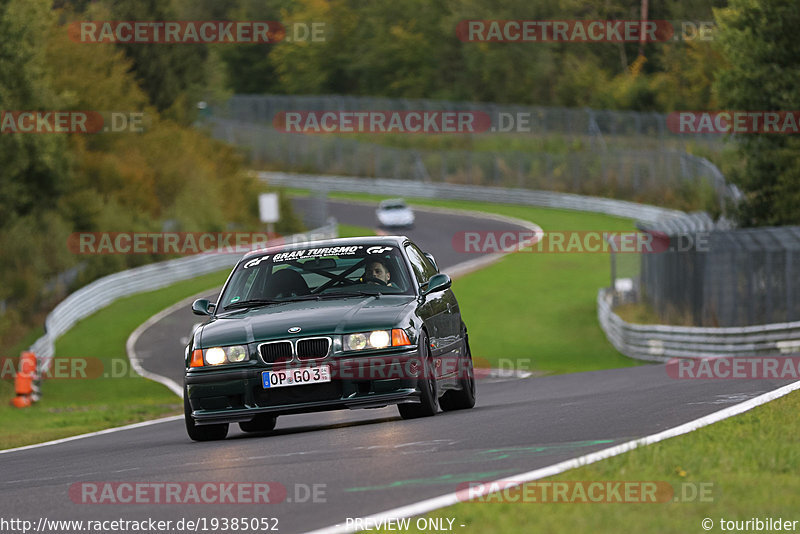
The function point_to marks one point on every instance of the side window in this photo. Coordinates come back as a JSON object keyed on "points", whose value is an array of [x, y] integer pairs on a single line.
{"points": [[248, 285], [242, 285], [423, 268]]}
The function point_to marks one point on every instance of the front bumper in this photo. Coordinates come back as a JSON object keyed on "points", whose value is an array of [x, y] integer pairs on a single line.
{"points": [[237, 395]]}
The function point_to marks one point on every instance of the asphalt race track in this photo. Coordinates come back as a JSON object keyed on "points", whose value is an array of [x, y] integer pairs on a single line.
{"points": [[364, 461]]}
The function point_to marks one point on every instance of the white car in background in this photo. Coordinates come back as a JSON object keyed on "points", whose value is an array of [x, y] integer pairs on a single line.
{"points": [[395, 213]]}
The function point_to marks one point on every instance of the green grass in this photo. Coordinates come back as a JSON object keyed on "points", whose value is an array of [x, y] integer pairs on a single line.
{"points": [[350, 230], [536, 311], [751, 462], [505, 142], [76, 406]]}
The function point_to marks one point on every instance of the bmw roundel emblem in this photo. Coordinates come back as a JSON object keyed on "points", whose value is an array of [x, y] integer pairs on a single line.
{"points": [[294, 329]]}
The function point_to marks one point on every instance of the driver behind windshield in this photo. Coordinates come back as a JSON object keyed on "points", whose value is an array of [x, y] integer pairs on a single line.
{"points": [[376, 272]]}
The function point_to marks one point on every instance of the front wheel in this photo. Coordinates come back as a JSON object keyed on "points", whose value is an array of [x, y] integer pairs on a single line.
{"points": [[463, 398], [429, 399], [201, 432]]}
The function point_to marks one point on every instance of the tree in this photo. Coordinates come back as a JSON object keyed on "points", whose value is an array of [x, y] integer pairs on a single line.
{"points": [[173, 76], [34, 167], [758, 40]]}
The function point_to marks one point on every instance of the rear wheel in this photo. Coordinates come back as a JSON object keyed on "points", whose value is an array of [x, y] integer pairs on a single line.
{"points": [[429, 400], [464, 398], [260, 423], [201, 432]]}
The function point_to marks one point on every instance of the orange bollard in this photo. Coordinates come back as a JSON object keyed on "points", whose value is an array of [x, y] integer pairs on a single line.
{"points": [[23, 382], [21, 401]]}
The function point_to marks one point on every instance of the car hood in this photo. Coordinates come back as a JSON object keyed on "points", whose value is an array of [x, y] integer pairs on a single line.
{"points": [[314, 317]]}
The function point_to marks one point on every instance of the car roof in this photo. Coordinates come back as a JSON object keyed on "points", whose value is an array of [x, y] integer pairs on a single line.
{"points": [[396, 240]]}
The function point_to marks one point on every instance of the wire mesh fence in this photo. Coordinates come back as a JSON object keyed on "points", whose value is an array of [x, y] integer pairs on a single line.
{"points": [[617, 154], [726, 278]]}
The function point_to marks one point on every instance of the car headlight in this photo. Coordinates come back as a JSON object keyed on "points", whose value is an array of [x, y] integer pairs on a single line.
{"points": [[380, 339], [219, 355], [355, 341], [377, 339]]}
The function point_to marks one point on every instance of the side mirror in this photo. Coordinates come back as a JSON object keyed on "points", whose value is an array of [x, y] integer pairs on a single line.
{"points": [[433, 261], [202, 307], [438, 282]]}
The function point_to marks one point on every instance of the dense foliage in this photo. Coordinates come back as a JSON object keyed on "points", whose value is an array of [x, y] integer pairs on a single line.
{"points": [[763, 74], [411, 49]]}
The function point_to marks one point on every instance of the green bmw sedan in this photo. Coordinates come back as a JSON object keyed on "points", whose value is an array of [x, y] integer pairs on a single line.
{"points": [[327, 325]]}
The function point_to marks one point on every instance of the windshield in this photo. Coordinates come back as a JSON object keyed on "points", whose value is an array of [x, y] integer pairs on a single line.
{"points": [[326, 272]]}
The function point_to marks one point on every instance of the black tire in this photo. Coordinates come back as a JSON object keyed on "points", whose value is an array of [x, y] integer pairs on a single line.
{"points": [[201, 432], [429, 400], [260, 423], [464, 398]]}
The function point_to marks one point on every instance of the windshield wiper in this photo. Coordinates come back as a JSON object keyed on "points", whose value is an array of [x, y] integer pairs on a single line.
{"points": [[295, 298], [350, 294], [251, 303]]}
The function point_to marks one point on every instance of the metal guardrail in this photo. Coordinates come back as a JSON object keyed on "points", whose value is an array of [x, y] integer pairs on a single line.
{"points": [[621, 173], [624, 154], [663, 342], [102, 292], [502, 195]]}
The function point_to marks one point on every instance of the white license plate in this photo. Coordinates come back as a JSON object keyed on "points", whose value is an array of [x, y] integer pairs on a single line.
{"points": [[296, 376]]}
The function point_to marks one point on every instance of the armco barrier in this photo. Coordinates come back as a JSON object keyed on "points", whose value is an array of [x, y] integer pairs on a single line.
{"points": [[503, 195], [102, 292], [663, 342]]}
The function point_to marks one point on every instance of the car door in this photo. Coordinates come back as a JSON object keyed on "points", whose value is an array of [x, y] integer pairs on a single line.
{"points": [[434, 307], [451, 335]]}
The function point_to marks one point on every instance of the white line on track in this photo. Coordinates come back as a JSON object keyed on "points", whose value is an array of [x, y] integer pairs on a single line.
{"points": [[98, 433], [449, 499], [134, 337]]}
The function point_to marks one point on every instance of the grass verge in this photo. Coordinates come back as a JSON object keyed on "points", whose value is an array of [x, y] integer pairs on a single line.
{"points": [[350, 230], [756, 477], [75, 406]]}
